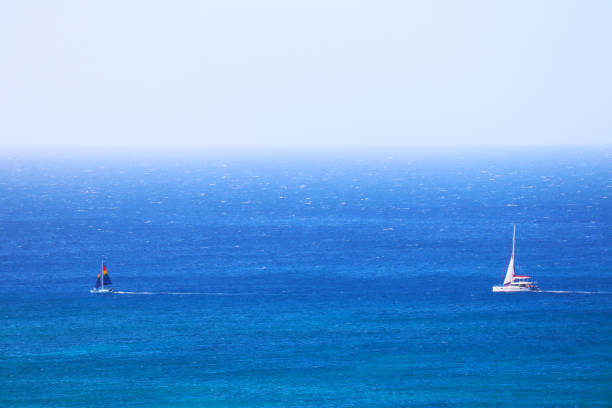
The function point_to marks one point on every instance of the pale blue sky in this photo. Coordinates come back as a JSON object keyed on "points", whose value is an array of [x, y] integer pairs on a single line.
{"points": [[311, 73]]}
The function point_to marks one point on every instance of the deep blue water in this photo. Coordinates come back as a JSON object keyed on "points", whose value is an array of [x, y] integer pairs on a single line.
{"points": [[315, 280]]}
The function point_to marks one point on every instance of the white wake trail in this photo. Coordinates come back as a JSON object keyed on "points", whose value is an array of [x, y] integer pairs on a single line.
{"points": [[582, 292], [187, 293]]}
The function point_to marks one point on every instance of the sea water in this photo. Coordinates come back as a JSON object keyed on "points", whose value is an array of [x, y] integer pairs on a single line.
{"points": [[321, 279]]}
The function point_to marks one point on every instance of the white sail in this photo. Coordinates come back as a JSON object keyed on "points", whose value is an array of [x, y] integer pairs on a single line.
{"points": [[510, 272]]}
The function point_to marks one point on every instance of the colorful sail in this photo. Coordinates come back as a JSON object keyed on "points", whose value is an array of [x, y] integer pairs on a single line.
{"points": [[99, 281], [107, 280]]}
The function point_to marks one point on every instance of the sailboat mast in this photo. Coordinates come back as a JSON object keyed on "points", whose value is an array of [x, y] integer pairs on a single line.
{"points": [[102, 274], [513, 238]]}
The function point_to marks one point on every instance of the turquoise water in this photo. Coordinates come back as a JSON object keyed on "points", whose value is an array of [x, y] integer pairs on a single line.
{"points": [[340, 281]]}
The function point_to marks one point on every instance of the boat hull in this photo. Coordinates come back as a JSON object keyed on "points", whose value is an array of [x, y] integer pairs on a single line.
{"points": [[514, 289], [101, 291]]}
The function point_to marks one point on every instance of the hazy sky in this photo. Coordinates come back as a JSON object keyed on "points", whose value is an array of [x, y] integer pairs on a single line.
{"points": [[305, 73]]}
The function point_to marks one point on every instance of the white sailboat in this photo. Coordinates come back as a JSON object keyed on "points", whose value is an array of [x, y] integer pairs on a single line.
{"points": [[103, 279], [513, 282]]}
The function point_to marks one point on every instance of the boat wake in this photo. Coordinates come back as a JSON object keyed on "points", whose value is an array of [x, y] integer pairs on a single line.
{"points": [[582, 292], [186, 293]]}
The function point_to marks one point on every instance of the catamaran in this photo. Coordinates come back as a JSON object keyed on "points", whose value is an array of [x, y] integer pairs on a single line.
{"points": [[513, 282], [102, 281]]}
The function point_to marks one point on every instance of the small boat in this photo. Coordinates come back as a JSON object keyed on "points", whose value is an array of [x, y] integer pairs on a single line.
{"points": [[513, 282], [103, 280]]}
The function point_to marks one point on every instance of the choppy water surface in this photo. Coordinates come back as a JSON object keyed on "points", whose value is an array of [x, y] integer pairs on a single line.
{"points": [[314, 280]]}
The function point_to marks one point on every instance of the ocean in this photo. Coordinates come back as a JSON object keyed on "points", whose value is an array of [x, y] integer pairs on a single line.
{"points": [[312, 279]]}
